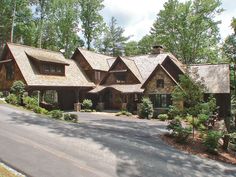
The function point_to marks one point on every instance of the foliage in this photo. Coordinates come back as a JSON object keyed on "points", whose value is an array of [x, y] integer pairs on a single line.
{"points": [[1, 95], [113, 41], [30, 103], [174, 111], [229, 48], [87, 104], [145, 44], [87, 110], [18, 88], [178, 131], [163, 117], [71, 117], [92, 21], [12, 99], [146, 108], [56, 114], [189, 29], [233, 138], [211, 140], [40, 110], [124, 112], [131, 48]]}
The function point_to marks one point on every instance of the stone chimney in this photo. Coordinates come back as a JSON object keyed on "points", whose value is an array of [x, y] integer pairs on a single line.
{"points": [[157, 49]]}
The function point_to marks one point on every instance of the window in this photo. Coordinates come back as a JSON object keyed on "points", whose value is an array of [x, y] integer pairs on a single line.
{"points": [[52, 69], [97, 75], [9, 71], [120, 77], [160, 83], [160, 100]]}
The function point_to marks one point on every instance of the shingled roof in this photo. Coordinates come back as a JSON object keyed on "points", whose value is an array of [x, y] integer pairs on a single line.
{"points": [[74, 77], [123, 88], [216, 78], [97, 61]]}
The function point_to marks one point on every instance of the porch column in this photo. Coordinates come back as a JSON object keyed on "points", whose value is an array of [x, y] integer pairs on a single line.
{"points": [[77, 104]]}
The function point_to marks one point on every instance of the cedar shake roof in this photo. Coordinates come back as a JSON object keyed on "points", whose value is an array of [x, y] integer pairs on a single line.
{"points": [[46, 58], [147, 63], [123, 88], [97, 61], [216, 78], [133, 67], [74, 77]]}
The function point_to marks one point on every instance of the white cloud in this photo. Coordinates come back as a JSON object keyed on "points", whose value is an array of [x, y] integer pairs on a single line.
{"points": [[137, 16]]}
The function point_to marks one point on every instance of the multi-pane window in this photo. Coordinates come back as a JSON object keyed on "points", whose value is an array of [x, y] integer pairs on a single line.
{"points": [[9, 71], [160, 83], [160, 100], [52, 69]]}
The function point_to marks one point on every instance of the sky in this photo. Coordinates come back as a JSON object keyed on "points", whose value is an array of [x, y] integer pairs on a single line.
{"points": [[138, 16]]}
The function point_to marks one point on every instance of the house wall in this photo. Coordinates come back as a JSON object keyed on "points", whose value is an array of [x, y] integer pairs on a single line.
{"points": [[151, 87], [4, 83]]}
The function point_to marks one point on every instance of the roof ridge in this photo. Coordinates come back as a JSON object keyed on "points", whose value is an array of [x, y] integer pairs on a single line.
{"points": [[206, 64], [22, 45], [94, 52]]}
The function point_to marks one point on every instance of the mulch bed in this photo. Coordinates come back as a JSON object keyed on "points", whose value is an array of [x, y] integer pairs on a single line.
{"points": [[195, 146]]}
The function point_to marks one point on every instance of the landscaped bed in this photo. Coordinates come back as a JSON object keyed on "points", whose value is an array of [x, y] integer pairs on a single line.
{"points": [[8, 172], [195, 146]]}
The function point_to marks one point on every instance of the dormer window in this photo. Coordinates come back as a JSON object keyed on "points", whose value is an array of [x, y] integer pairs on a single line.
{"points": [[52, 69], [160, 83]]}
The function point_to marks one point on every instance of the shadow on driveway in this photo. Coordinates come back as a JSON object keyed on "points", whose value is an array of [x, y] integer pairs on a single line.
{"points": [[142, 152]]}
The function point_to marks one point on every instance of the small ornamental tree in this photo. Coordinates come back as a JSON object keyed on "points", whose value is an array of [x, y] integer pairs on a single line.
{"points": [[146, 108], [87, 104], [18, 88]]}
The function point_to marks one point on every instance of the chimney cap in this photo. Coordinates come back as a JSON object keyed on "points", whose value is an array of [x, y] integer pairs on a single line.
{"points": [[157, 46]]}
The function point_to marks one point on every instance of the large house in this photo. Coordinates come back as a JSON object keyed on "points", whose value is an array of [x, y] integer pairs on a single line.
{"points": [[111, 82]]}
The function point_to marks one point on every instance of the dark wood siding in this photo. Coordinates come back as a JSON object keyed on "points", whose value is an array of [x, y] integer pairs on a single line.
{"points": [[172, 69]]}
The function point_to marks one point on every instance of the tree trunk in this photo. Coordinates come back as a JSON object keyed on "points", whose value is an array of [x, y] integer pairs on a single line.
{"points": [[13, 21]]}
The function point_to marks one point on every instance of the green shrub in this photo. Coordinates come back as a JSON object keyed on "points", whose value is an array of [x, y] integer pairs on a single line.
{"points": [[173, 112], [56, 114], [18, 88], [87, 104], [163, 117], [178, 131], [40, 110], [1, 95], [12, 99], [125, 113], [30, 103], [71, 117], [211, 139], [146, 108]]}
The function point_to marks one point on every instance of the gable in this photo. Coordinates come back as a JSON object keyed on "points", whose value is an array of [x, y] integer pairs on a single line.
{"points": [[120, 69], [159, 73]]}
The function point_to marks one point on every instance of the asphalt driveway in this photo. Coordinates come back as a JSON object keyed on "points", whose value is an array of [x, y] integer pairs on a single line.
{"points": [[100, 145]]}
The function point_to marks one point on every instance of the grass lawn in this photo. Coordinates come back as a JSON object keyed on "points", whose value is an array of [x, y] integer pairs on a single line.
{"points": [[2, 102], [4, 172]]}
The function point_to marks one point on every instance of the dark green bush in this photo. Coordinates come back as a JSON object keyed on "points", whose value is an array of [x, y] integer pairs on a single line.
{"points": [[71, 117], [87, 104], [56, 114], [12, 99], [211, 140], [163, 117], [1, 95], [146, 108], [18, 88], [30, 103]]}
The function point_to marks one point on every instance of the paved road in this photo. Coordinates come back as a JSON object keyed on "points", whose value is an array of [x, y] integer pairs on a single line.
{"points": [[100, 146]]}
